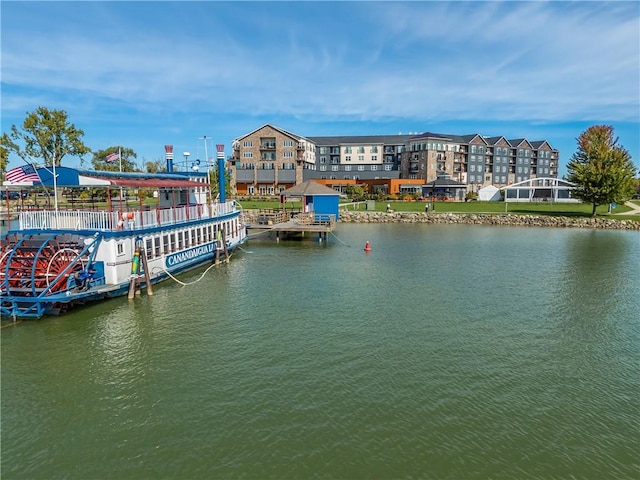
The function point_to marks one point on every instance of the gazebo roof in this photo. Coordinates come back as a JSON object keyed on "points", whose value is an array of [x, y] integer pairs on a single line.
{"points": [[308, 188], [445, 182]]}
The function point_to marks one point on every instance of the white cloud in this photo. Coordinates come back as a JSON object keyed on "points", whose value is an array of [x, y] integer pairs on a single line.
{"points": [[426, 60]]}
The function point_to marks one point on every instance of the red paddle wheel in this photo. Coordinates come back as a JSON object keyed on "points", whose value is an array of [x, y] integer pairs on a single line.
{"points": [[32, 264]]}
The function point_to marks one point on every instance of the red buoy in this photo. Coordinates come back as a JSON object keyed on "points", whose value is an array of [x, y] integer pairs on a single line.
{"points": [[367, 247]]}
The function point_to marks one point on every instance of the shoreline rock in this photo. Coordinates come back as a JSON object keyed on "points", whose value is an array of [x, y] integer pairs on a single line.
{"points": [[509, 220]]}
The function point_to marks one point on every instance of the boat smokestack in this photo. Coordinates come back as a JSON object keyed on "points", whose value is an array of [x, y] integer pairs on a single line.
{"points": [[221, 174], [168, 155]]}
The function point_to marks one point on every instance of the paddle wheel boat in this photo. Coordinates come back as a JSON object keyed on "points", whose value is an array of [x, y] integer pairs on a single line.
{"points": [[60, 258]]}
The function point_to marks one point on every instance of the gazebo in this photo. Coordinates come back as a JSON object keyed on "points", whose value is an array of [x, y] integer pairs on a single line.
{"points": [[444, 188], [316, 198]]}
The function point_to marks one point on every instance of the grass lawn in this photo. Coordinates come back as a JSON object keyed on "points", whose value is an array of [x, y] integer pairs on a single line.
{"points": [[558, 209]]}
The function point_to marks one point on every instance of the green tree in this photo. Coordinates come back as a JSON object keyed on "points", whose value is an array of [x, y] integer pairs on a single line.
{"points": [[99, 160], [601, 169], [47, 135], [213, 178], [155, 166], [4, 158], [356, 192]]}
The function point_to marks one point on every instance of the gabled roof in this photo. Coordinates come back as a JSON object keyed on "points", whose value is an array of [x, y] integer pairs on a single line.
{"points": [[284, 132], [519, 142], [474, 136], [540, 143], [308, 188], [431, 135]]}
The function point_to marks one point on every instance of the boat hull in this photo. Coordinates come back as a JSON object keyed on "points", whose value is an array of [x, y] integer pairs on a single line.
{"points": [[50, 273]]}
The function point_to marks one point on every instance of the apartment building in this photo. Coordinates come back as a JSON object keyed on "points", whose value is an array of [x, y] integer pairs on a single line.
{"points": [[269, 159], [367, 157], [476, 160]]}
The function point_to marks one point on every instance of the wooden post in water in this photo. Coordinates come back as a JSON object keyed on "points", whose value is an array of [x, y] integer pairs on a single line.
{"points": [[135, 270], [218, 247], [147, 274], [224, 243]]}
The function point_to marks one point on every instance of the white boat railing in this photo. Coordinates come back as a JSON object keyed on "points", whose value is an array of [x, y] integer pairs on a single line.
{"points": [[111, 221]]}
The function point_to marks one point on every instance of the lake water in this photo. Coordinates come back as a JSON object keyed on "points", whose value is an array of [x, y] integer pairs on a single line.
{"points": [[447, 352]]}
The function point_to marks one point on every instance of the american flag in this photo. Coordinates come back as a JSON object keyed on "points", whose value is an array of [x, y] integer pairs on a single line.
{"points": [[23, 173], [112, 157]]}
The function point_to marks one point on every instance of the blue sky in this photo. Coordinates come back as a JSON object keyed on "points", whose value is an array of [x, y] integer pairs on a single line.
{"points": [[146, 74]]}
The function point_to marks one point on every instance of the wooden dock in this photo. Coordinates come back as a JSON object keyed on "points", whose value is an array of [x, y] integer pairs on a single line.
{"points": [[281, 221]]}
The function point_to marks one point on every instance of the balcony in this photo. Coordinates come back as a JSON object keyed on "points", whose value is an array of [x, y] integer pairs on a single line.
{"points": [[268, 146]]}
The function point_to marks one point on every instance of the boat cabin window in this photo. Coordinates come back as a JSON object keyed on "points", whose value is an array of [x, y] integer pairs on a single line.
{"points": [[165, 243], [120, 248], [172, 239], [193, 237], [149, 247], [156, 244], [180, 244]]}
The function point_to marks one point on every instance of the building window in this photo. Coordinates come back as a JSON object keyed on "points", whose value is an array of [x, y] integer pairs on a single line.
{"points": [[473, 149], [287, 154], [374, 168], [347, 149], [247, 154], [323, 160], [347, 168], [323, 168], [348, 158], [287, 143], [334, 168], [323, 150], [387, 167], [374, 158], [374, 149], [247, 144], [360, 168], [360, 149], [361, 158]]}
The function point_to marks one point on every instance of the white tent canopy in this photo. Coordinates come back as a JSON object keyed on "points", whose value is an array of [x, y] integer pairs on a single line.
{"points": [[489, 194]]}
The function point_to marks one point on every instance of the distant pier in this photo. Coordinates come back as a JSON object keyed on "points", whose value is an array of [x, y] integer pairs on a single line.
{"points": [[285, 223]]}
